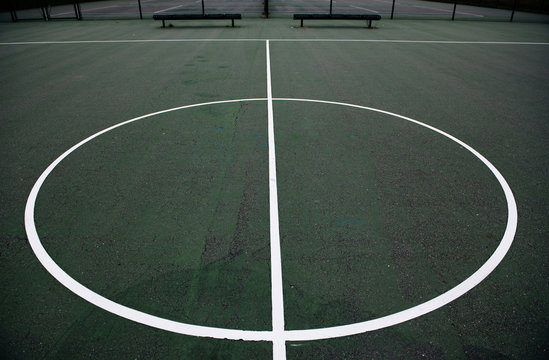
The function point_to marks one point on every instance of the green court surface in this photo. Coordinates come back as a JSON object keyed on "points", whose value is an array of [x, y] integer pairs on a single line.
{"points": [[172, 214]]}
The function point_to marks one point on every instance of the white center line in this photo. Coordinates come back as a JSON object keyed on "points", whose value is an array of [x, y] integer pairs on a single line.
{"points": [[277, 297]]}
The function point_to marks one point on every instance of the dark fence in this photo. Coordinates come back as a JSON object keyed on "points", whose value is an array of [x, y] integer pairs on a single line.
{"points": [[506, 10], [534, 6], [8, 5]]}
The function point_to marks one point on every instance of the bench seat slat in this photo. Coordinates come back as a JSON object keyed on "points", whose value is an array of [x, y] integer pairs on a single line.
{"points": [[337, 16], [367, 17], [196, 16], [165, 17]]}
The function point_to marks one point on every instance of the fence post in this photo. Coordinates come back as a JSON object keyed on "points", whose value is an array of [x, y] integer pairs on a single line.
{"points": [[513, 12], [393, 10], [13, 12], [266, 8], [44, 13], [330, 7], [78, 11], [140, 12]]}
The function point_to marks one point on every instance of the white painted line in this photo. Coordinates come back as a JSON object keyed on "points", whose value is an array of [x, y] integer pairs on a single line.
{"points": [[176, 7], [102, 302], [127, 41], [277, 296], [445, 298], [466, 13], [100, 8], [362, 8], [446, 10], [63, 13], [443, 42], [276, 336], [171, 8], [68, 42], [72, 12]]}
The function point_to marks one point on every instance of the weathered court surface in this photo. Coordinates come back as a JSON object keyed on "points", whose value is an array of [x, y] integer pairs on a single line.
{"points": [[171, 215]]}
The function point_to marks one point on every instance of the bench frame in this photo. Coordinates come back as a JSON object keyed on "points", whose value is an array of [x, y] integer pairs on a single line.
{"points": [[367, 17], [165, 17], [331, 16]]}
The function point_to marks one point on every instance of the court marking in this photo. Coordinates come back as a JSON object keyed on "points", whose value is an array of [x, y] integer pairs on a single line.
{"points": [[442, 42], [176, 7], [168, 9], [447, 11], [287, 335], [102, 8], [277, 295], [363, 8], [102, 302], [448, 296]]}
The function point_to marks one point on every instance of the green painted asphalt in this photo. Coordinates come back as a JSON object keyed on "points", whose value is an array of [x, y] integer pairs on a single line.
{"points": [[125, 214], [273, 29], [169, 215]]}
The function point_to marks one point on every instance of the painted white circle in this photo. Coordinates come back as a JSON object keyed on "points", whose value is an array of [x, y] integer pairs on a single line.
{"points": [[289, 335]]}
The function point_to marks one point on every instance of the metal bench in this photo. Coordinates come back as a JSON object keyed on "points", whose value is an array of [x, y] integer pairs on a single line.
{"points": [[203, 16], [165, 17], [367, 17]]}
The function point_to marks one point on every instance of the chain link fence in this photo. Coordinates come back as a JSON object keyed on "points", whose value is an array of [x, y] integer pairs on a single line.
{"points": [[504, 10]]}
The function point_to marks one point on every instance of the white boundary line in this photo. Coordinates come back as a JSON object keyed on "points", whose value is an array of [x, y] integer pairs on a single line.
{"points": [[447, 10], [68, 42], [168, 9], [448, 296], [277, 295], [102, 302], [291, 335], [102, 7], [363, 8], [176, 7]]}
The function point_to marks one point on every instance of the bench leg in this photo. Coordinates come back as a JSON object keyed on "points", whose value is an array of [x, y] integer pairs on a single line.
{"points": [[301, 22], [163, 24], [232, 22], [369, 24]]}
